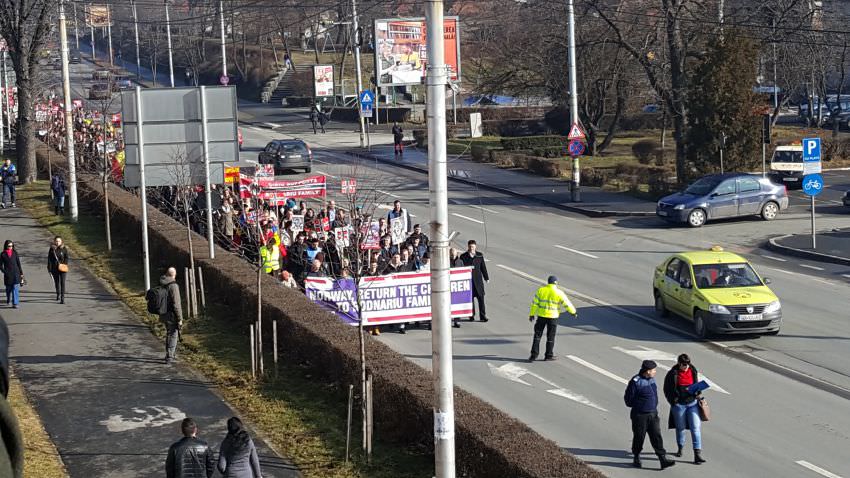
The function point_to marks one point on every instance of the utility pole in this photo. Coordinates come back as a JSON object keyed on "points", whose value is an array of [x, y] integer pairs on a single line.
{"points": [[357, 38], [441, 336], [91, 30], [168, 35], [575, 184], [720, 8], [223, 42], [69, 122], [136, 30], [76, 32], [109, 32]]}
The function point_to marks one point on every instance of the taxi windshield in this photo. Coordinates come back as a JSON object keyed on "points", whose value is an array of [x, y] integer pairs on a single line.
{"points": [[715, 276]]}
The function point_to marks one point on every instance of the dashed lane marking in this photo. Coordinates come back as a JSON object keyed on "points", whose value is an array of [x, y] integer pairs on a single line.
{"points": [[598, 369], [326, 174], [467, 218], [846, 275], [774, 258], [817, 469], [811, 267], [576, 252], [388, 194], [808, 277], [484, 209]]}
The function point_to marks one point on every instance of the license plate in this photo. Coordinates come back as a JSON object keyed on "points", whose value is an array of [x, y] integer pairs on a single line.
{"points": [[789, 180], [662, 213], [294, 156], [750, 317]]}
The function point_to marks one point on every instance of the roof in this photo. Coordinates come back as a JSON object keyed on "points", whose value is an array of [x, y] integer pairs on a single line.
{"points": [[723, 176], [711, 257]]}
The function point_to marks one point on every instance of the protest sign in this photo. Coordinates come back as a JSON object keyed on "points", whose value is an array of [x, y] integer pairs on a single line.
{"points": [[371, 236], [297, 223], [342, 236], [397, 230]]}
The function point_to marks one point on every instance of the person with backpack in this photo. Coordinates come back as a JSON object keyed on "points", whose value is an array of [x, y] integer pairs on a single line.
{"points": [[164, 300], [57, 186]]}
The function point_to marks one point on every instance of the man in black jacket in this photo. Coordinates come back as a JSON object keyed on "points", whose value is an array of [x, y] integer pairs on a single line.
{"points": [[642, 397], [190, 457], [475, 259]]}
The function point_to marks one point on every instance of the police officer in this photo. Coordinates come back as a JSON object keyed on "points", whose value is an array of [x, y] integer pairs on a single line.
{"points": [[547, 307], [642, 397]]}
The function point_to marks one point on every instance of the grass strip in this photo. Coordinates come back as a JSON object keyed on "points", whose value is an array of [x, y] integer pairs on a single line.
{"points": [[299, 415], [40, 456]]}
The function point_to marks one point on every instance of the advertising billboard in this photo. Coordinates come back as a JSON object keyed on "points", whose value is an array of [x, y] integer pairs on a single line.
{"points": [[400, 52], [98, 16], [323, 80]]}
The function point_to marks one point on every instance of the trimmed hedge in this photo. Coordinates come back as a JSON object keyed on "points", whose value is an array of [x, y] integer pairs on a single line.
{"points": [[489, 443], [532, 142]]}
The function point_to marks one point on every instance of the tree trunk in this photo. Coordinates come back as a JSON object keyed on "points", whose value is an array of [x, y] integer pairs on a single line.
{"points": [[612, 128], [25, 144]]}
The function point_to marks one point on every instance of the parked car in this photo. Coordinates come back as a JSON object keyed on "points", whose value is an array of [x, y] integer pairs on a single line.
{"points": [[287, 154], [719, 291], [121, 83], [719, 196], [100, 91], [74, 57]]}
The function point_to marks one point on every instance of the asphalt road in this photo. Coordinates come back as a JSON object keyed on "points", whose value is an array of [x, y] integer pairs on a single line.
{"points": [[767, 423]]}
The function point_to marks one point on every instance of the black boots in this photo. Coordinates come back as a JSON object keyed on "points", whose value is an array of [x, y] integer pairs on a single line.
{"points": [[636, 462], [665, 462], [678, 453], [698, 459]]}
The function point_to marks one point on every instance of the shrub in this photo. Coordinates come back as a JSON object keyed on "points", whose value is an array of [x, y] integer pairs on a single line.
{"points": [[532, 142], [644, 150], [550, 152], [421, 137], [479, 153], [595, 176]]}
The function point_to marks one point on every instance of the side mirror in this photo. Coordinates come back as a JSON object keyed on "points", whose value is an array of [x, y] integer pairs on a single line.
{"points": [[713, 195], [686, 284], [767, 281]]}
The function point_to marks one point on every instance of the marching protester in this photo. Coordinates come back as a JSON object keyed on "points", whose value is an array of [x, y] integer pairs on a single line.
{"points": [[237, 456], [13, 273], [314, 119], [473, 258], [57, 187], [546, 306], [8, 176], [164, 300], [189, 457], [286, 280], [399, 212], [57, 266], [684, 405], [398, 139], [642, 397]]}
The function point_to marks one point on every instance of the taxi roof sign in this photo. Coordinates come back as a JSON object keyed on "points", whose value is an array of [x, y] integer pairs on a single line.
{"points": [[716, 249]]}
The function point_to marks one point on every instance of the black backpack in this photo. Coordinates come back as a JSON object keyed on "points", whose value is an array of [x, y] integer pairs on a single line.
{"points": [[157, 299]]}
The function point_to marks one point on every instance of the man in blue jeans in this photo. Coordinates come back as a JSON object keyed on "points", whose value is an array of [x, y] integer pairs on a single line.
{"points": [[8, 174], [642, 397]]}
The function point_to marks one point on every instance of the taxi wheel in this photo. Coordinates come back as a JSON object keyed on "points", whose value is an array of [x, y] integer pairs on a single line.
{"points": [[660, 307], [700, 327], [769, 211], [696, 218]]}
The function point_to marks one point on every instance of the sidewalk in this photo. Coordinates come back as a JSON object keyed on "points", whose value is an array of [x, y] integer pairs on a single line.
{"points": [[595, 202], [832, 247], [95, 373]]}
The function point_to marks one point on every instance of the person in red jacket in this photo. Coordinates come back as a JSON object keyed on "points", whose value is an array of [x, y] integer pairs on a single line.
{"points": [[684, 406]]}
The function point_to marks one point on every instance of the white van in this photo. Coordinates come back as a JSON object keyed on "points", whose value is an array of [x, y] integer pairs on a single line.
{"points": [[786, 165]]}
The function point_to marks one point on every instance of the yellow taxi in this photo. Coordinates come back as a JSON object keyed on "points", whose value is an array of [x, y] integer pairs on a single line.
{"points": [[719, 291]]}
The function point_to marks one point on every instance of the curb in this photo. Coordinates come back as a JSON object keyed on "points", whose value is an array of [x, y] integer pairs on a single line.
{"points": [[774, 245], [581, 210]]}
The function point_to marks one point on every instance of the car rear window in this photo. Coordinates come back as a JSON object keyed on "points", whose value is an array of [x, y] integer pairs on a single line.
{"points": [[293, 148]]}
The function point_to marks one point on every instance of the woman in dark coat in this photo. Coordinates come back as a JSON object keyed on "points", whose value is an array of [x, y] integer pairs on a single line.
{"points": [[684, 405], [238, 456], [13, 273], [58, 254]]}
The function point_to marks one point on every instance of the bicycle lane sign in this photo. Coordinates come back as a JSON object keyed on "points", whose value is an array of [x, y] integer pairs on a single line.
{"points": [[813, 184]]}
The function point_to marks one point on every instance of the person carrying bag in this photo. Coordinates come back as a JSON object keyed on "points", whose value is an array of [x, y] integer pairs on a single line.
{"points": [[57, 266]]}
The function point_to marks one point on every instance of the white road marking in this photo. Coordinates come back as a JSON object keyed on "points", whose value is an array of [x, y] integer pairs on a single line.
{"points": [[563, 392], [775, 258], [388, 194], [646, 353], [817, 469], [484, 209], [811, 267], [467, 218], [846, 275], [808, 277], [576, 252], [148, 417], [597, 369], [509, 371], [272, 125], [326, 174], [514, 373]]}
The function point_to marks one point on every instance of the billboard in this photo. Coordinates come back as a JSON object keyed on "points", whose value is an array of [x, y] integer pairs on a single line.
{"points": [[98, 16], [400, 52], [323, 80]]}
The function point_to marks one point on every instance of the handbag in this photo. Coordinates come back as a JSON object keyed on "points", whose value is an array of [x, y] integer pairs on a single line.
{"points": [[63, 267], [704, 409]]}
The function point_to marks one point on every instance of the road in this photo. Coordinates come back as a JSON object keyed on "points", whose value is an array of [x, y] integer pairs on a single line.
{"points": [[609, 263]]}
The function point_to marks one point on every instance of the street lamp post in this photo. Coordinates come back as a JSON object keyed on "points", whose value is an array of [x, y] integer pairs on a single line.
{"points": [[575, 184], [168, 36]]}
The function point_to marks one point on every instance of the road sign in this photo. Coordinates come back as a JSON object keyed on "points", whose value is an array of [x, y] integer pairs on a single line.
{"points": [[575, 148], [224, 80], [813, 184], [367, 103], [576, 132], [811, 156]]}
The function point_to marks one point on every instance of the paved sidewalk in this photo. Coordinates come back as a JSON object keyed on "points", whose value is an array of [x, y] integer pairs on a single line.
{"points": [[96, 376], [832, 247]]}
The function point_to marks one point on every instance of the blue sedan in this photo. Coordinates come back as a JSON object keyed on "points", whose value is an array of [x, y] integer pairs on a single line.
{"points": [[720, 196]]}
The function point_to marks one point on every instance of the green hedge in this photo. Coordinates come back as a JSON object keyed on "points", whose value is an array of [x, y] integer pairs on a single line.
{"points": [[533, 142]]}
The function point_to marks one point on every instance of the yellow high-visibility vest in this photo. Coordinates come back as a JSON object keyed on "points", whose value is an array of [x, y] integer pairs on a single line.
{"points": [[550, 301], [271, 259]]}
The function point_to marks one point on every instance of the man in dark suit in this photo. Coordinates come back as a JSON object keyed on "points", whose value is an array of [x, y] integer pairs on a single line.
{"points": [[473, 258]]}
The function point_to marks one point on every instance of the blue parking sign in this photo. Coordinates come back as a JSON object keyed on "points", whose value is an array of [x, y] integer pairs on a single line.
{"points": [[811, 150]]}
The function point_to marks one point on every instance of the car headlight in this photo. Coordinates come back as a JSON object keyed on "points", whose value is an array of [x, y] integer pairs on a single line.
{"points": [[718, 309], [772, 307], [679, 207]]}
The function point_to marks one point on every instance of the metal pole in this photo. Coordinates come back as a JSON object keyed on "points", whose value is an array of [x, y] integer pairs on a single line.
{"points": [[76, 32], [274, 344], [814, 241], [136, 30], [454, 106], [69, 122], [356, 26], [369, 427], [206, 145], [142, 191], [441, 335], [763, 160], [106, 168], [188, 289], [91, 30], [575, 185], [348, 422], [253, 354], [203, 293], [377, 105], [223, 43], [168, 36], [193, 292], [109, 32], [721, 160]]}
